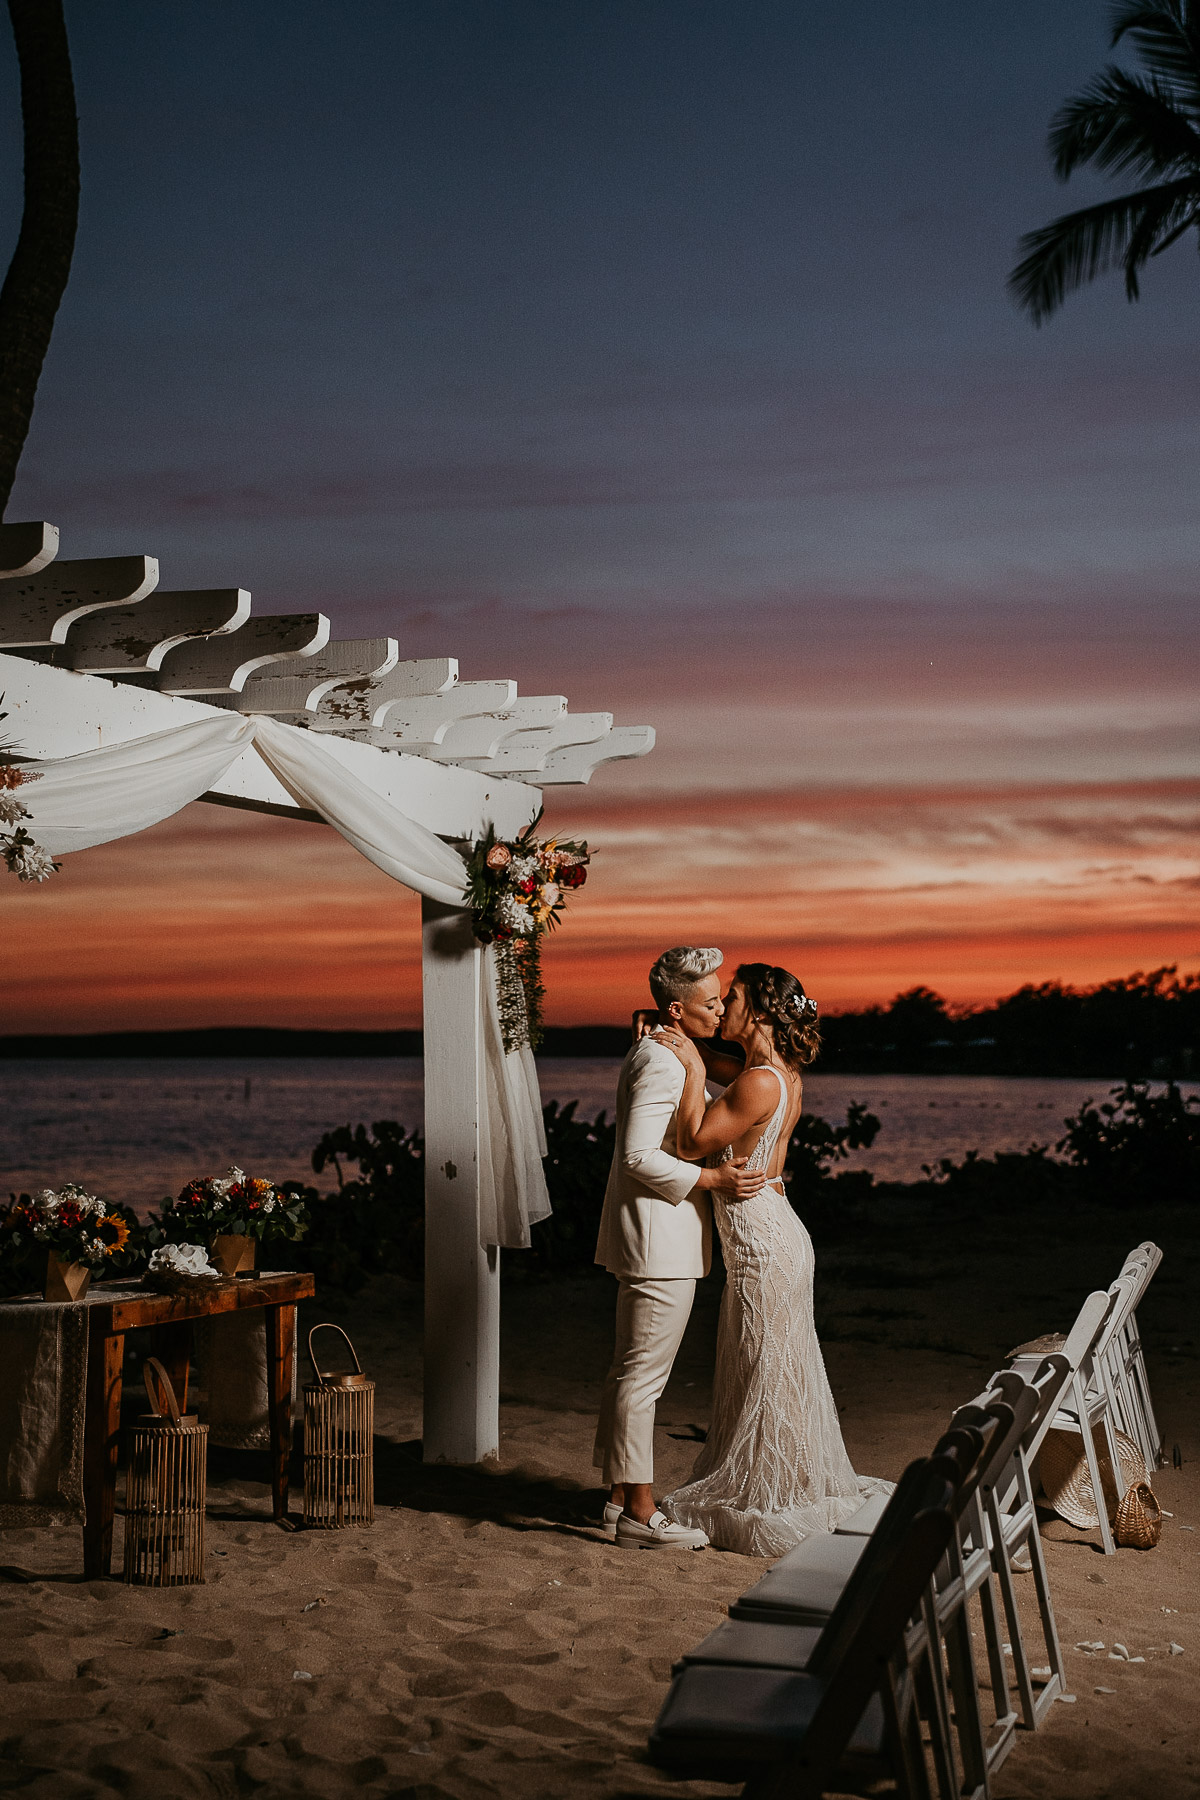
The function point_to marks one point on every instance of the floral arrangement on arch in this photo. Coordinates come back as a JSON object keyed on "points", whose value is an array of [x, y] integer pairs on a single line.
{"points": [[233, 1205], [75, 1226], [22, 856], [517, 889]]}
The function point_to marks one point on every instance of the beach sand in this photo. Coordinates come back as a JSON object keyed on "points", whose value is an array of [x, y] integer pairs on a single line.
{"points": [[481, 1639]]}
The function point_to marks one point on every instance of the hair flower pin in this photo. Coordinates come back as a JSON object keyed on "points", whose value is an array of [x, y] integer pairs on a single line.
{"points": [[804, 1005]]}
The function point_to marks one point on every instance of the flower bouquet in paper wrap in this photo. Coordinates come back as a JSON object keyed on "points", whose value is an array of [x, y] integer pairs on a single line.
{"points": [[228, 1214], [517, 889], [76, 1230]]}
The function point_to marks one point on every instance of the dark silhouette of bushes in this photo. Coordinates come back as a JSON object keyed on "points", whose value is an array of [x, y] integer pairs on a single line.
{"points": [[1139, 1025], [1135, 1149]]}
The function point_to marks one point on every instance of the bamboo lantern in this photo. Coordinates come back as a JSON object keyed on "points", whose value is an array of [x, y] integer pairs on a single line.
{"points": [[339, 1425], [165, 1491]]}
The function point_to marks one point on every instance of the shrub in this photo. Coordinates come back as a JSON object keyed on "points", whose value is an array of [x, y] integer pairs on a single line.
{"points": [[579, 1154], [1137, 1145], [374, 1223]]}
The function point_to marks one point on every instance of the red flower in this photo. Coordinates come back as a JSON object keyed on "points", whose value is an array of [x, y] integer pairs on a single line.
{"points": [[529, 886], [572, 875]]}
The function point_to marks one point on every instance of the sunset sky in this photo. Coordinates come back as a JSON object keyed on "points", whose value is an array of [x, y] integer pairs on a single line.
{"points": [[657, 353]]}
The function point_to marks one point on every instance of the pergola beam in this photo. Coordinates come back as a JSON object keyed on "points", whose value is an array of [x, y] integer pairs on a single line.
{"points": [[56, 712]]}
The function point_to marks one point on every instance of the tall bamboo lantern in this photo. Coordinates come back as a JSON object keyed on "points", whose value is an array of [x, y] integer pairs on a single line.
{"points": [[165, 1490], [339, 1450]]}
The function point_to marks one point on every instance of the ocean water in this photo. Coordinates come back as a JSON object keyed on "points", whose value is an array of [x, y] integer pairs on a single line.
{"points": [[135, 1130]]}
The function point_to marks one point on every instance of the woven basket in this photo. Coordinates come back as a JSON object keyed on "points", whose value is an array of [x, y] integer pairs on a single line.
{"points": [[339, 1445], [165, 1491], [1139, 1518], [1067, 1484]]}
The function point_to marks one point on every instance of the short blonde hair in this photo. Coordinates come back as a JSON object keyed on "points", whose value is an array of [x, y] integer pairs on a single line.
{"points": [[678, 970]]}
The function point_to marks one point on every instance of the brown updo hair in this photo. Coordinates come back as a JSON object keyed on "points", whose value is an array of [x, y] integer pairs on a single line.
{"points": [[781, 1002]]}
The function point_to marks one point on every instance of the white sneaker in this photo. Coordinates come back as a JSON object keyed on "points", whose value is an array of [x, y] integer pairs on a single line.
{"points": [[659, 1534], [612, 1513]]}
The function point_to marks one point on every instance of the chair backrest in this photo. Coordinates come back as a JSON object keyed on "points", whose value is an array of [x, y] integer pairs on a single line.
{"points": [[868, 1622], [953, 1459], [1000, 1416], [1035, 1409], [1124, 1294], [1087, 1327], [1147, 1253]]}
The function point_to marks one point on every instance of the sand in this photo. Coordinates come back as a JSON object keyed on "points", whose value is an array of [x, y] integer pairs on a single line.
{"points": [[481, 1639]]}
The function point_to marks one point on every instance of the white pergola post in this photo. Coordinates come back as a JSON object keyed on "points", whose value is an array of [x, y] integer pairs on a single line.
{"points": [[462, 1280]]}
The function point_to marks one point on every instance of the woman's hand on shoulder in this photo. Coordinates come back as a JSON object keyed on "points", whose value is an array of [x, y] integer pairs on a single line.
{"points": [[680, 1046], [644, 1021]]}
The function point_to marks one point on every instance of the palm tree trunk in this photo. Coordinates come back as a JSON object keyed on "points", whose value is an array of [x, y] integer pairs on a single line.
{"points": [[41, 262]]}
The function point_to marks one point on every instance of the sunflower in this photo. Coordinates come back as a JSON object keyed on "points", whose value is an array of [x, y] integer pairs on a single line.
{"points": [[113, 1233]]}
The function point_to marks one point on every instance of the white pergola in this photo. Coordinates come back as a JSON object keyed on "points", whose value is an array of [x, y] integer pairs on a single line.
{"points": [[94, 653]]}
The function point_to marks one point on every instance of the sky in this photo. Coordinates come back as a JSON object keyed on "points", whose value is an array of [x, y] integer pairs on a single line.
{"points": [[656, 353]]}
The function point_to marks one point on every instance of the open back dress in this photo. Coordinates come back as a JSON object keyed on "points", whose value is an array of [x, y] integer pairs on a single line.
{"points": [[774, 1469]]}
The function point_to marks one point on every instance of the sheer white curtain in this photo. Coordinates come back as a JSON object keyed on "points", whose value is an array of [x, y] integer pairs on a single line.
{"points": [[98, 795]]}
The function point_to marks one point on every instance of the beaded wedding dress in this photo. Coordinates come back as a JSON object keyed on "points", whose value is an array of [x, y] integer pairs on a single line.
{"points": [[774, 1469]]}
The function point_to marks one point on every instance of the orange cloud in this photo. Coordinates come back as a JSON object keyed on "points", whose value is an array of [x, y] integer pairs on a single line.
{"points": [[225, 917]]}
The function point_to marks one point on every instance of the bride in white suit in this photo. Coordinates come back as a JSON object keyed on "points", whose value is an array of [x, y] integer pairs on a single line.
{"points": [[655, 1237]]}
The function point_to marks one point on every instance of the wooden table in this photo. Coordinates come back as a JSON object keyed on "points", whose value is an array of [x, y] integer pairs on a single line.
{"points": [[170, 1317]]}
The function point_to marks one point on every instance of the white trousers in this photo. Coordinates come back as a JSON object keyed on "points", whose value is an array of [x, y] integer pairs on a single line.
{"points": [[652, 1316]]}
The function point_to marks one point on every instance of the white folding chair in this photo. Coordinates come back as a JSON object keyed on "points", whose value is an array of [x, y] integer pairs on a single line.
{"points": [[1086, 1402], [1125, 1362], [800, 1592], [966, 1572], [1009, 1524], [778, 1623]]}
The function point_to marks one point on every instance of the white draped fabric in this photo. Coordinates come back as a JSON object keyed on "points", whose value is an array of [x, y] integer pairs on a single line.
{"points": [[98, 795]]}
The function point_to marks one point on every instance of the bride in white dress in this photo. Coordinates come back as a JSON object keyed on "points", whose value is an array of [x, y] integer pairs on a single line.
{"points": [[774, 1469]]}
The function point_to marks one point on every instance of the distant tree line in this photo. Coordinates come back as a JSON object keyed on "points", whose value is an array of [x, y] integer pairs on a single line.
{"points": [[1137, 1027]]}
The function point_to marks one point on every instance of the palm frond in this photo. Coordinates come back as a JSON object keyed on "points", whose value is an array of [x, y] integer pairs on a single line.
{"points": [[1159, 226], [1166, 35], [1121, 122], [1072, 250]]}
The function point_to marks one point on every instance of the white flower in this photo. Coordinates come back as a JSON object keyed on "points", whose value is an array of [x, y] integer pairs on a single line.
{"points": [[551, 894], [27, 860], [523, 868], [513, 915], [11, 810], [223, 1183], [181, 1259], [270, 1203]]}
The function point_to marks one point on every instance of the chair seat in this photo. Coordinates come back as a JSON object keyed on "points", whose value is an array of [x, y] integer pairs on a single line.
{"points": [[753, 1644], [806, 1584], [725, 1722], [863, 1522]]}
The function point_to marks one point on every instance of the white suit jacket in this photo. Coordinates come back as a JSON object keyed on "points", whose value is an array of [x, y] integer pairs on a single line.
{"points": [[656, 1222]]}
